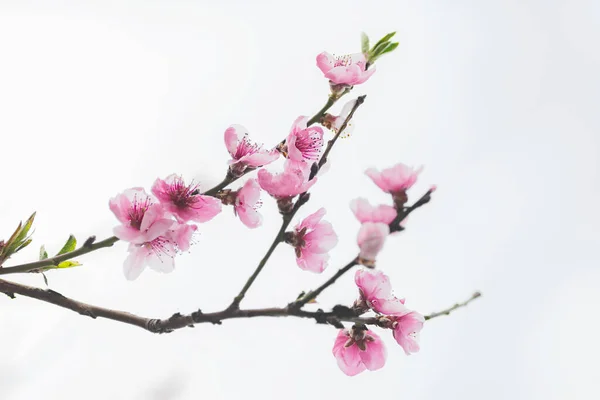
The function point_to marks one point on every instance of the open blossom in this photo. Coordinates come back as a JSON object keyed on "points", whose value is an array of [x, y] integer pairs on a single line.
{"points": [[371, 238], [406, 330], [244, 152], [246, 202], [358, 349], [345, 70], [395, 179], [158, 254], [287, 184], [376, 292], [365, 212], [304, 143], [141, 220], [312, 239], [184, 201]]}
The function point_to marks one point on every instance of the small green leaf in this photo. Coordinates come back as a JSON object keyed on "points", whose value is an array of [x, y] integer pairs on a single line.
{"points": [[25, 229], [384, 39], [364, 40], [69, 246], [68, 264], [390, 47], [45, 279], [23, 245], [43, 253]]}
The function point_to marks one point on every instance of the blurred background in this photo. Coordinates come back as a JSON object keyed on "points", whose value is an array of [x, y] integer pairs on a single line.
{"points": [[499, 101]]}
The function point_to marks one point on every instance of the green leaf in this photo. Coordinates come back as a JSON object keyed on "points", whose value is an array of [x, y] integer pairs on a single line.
{"points": [[69, 246], [364, 40], [68, 264], [25, 229], [384, 39], [389, 48], [23, 245], [43, 253], [45, 279]]}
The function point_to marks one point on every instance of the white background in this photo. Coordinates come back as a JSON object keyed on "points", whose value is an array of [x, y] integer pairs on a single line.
{"points": [[499, 100]]}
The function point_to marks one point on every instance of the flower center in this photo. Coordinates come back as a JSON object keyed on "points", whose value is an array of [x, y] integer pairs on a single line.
{"points": [[342, 61], [183, 196], [245, 147], [309, 143], [137, 211]]}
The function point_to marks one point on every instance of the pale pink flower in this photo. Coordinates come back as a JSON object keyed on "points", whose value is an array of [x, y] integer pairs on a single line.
{"points": [[304, 143], [158, 254], [246, 203], [395, 179], [345, 70], [376, 291], [406, 330], [358, 349], [244, 151], [312, 239], [286, 185], [185, 201], [181, 235], [142, 220], [365, 212], [371, 238]]}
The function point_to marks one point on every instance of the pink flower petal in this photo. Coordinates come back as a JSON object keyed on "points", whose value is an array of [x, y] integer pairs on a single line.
{"points": [[407, 330], [134, 264], [325, 62], [371, 238], [365, 212], [232, 138], [313, 262], [375, 354]]}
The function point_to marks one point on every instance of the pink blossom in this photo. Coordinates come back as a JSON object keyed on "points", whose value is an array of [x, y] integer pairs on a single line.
{"points": [[312, 240], [142, 220], [184, 201], [395, 179], [358, 349], [158, 254], [345, 70], [406, 330], [181, 235], [244, 151], [304, 143], [371, 238], [376, 291], [246, 203], [291, 182], [365, 212]]}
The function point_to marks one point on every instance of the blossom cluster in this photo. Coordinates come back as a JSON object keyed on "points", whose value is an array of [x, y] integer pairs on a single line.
{"points": [[160, 225], [359, 348]]}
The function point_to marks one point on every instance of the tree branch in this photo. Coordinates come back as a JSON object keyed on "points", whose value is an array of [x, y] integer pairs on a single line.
{"points": [[87, 247], [454, 307], [178, 321]]}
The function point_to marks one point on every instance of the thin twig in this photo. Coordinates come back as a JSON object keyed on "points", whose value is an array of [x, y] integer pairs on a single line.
{"points": [[287, 218], [278, 238], [454, 307], [178, 321], [87, 247]]}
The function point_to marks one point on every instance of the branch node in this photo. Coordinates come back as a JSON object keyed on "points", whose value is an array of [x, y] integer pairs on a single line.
{"points": [[89, 242]]}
